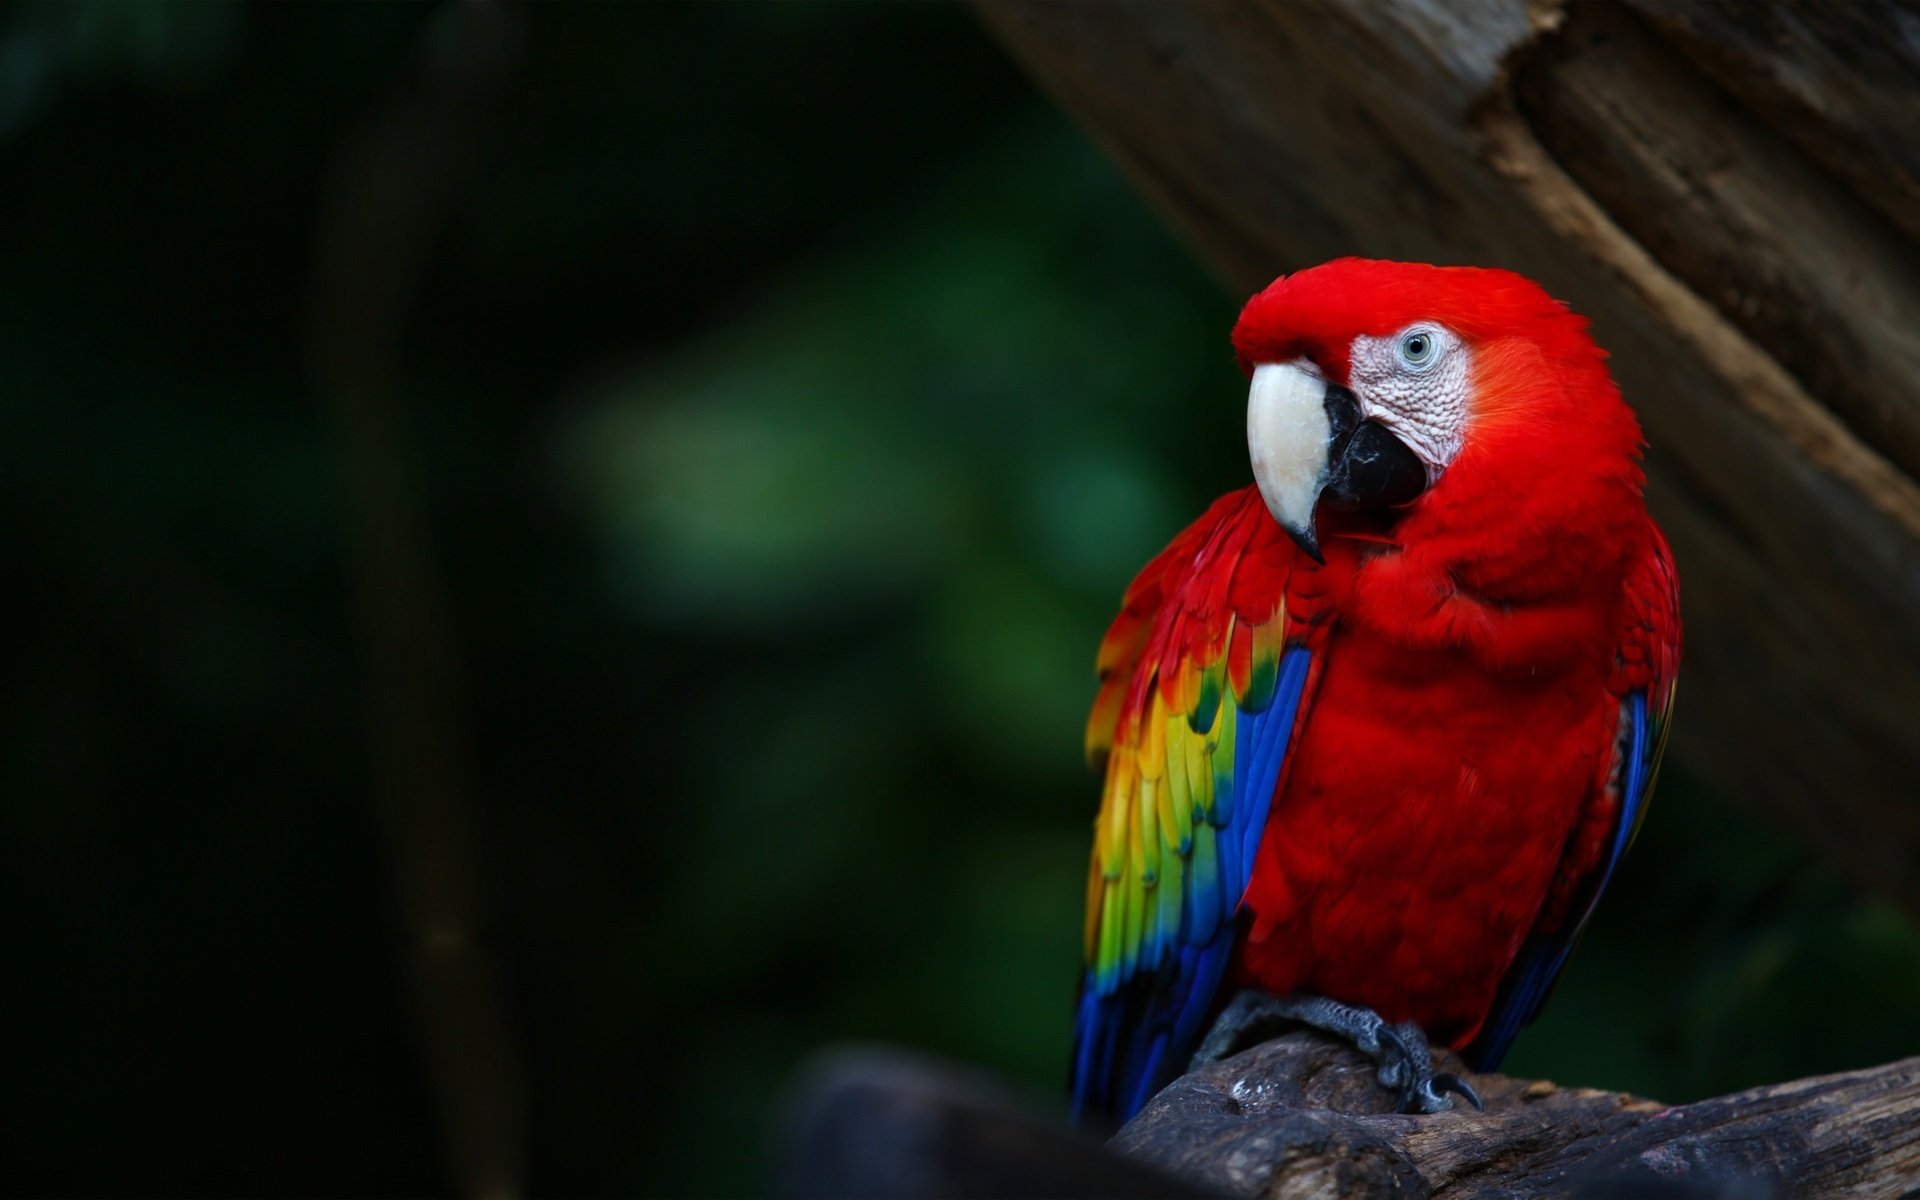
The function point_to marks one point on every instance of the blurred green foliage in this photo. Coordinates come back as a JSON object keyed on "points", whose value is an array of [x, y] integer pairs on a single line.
{"points": [[792, 395]]}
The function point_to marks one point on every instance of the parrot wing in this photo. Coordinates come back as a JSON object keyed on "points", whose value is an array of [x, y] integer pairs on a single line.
{"points": [[1199, 695], [1642, 691]]}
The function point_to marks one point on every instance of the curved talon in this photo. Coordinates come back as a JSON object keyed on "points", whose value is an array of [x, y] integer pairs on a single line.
{"points": [[1424, 1099], [1406, 1063], [1396, 1062], [1430, 1094], [1447, 1081]]}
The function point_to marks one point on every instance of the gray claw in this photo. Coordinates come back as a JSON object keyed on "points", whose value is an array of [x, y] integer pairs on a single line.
{"points": [[1405, 1059], [1447, 1081], [1409, 1068], [1396, 1060]]}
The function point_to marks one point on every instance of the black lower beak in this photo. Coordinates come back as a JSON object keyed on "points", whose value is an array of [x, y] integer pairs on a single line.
{"points": [[1374, 470], [1367, 467]]}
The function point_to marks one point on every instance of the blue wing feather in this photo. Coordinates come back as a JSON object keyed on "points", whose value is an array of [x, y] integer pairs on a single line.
{"points": [[1129, 1042]]}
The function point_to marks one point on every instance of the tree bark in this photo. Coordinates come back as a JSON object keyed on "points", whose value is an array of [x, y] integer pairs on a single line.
{"points": [[1303, 1117], [1727, 190]]}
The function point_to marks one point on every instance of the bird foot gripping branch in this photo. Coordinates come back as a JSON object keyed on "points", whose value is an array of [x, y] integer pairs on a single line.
{"points": [[1402, 1052], [1379, 727]]}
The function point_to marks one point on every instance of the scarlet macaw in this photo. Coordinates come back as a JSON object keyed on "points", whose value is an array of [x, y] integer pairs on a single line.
{"points": [[1377, 729]]}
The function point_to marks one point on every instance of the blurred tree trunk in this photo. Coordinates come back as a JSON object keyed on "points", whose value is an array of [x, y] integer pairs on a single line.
{"points": [[376, 237], [1730, 191]]}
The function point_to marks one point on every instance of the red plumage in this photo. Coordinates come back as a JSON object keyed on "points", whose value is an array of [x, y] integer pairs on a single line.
{"points": [[1458, 773]]}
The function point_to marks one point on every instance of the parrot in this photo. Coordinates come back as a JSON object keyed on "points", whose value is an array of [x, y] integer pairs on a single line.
{"points": [[1377, 729]]}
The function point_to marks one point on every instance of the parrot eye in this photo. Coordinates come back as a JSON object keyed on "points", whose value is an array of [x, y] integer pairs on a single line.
{"points": [[1419, 349]]}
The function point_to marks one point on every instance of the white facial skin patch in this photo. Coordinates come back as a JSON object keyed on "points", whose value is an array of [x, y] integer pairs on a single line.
{"points": [[1416, 383]]}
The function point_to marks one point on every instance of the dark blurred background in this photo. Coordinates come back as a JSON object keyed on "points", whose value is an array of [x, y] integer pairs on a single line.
{"points": [[557, 553]]}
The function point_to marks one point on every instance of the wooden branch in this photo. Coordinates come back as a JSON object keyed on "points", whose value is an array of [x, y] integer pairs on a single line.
{"points": [[1303, 1116], [880, 1123], [1721, 193]]}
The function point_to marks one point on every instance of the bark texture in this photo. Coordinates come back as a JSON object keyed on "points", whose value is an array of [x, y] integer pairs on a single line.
{"points": [[1302, 1117], [1728, 191]]}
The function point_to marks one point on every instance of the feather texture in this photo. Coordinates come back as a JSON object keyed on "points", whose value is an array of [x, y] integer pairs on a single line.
{"points": [[1643, 687], [1400, 776], [1199, 698]]}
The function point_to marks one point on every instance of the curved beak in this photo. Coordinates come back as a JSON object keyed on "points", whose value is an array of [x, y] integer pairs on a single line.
{"points": [[1306, 437]]}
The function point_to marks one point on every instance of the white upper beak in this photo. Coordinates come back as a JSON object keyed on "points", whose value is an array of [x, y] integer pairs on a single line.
{"points": [[1287, 439]]}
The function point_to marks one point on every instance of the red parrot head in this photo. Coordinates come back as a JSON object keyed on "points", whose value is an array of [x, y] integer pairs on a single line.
{"points": [[1388, 387]]}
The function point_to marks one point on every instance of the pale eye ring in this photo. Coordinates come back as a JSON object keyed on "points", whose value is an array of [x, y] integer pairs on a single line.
{"points": [[1419, 348]]}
